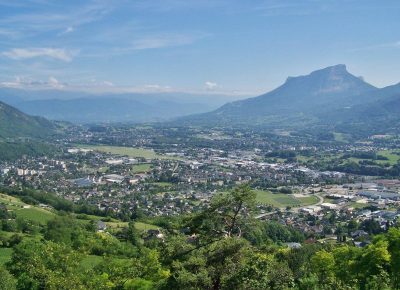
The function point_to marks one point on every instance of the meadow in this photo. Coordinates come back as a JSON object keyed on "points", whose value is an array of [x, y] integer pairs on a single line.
{"points": [[128, 151], [283, 200], [141, 168], [28, 212]]}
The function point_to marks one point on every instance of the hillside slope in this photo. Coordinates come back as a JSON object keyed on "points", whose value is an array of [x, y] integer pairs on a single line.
{"points": [[14, 123]]}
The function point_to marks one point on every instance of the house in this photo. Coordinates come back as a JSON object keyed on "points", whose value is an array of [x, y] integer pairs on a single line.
{"points": [[359, 234], [101, 226], [154, 234], [328, 205], [293, 245]]}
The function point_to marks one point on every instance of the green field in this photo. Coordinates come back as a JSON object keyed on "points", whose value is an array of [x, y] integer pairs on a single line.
{"points": [[144, 227], [138, 225], [33, 213], [5, 255], [128, 151], [392, 158], [341, 137], [10, 201], [389, 154], [141, 168], [358, 205], [283, 200]]}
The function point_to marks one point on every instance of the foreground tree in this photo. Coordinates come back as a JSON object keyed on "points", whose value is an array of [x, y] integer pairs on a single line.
{"points": [[227, 215]]}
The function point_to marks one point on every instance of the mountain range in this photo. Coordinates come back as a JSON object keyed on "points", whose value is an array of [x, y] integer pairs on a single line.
{"points": [[330, 96], [81, 107]]}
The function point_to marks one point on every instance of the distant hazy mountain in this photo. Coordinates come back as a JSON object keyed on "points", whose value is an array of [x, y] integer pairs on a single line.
{"points": [[14, 123], [381, 110], [90, 108], [328, 96]]}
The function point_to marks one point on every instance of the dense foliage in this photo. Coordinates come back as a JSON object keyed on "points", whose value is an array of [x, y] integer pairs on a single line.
{"points": [[12, 150], [222, 247]]}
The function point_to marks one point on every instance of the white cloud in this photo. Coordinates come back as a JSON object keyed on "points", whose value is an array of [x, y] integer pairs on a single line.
{"points": [[210, 85], [69, 29], [25, 53], [29, 83], [156, 88], [11, 84], [53, 82], [92, 86], [108, 83]]}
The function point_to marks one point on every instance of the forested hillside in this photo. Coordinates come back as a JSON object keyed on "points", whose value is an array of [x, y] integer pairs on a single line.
{"points": [[222, 247], [14, 123], [21, 134]]}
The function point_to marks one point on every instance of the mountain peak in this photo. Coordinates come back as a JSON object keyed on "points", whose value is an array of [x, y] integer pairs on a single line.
{"points": [[335, 70], [332, 79]]}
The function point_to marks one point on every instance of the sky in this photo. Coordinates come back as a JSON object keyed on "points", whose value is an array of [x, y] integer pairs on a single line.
{"points": [[233, 47]]}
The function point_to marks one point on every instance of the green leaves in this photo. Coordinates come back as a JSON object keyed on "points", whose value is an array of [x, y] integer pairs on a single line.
{"points": [[227, 215]]}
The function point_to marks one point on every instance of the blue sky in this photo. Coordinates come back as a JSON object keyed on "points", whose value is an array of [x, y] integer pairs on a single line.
{"points": [[233, 47]]}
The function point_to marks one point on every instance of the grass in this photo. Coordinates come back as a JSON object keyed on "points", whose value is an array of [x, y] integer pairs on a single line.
{"points": [[308, 200], [161, 184], [138, 225], [5, 255], [144, 227], [357, 205], [35, 214], [341, 137], [128, 151], [392, 158], [389, 154], [141, 168], [10, 200], [283, 200]]}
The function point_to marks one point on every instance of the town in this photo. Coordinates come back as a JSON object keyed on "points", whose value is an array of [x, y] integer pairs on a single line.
{"points": [[128, 171]]}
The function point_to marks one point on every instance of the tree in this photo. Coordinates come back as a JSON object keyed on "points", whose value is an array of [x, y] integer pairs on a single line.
{"points": [[132, 234], [125, 273], [227, 215], [7, 281], [260, 271], [393, 239], [60, 230], [46, 265], [345, 260], [323, 265], [374, 261]]}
